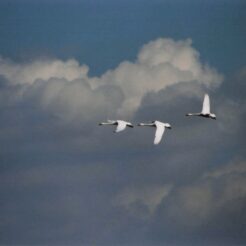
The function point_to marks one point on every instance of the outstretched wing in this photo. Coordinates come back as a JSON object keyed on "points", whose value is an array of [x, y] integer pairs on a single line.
{"points": [[206, 105], [158, 133], [130, 125], [121, 126]]}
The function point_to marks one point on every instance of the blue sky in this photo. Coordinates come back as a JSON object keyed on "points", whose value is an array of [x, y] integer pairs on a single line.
{"points": [[65, 66], [73, 29]]}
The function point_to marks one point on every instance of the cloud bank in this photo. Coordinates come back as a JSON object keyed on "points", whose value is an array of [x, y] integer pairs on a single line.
{"points": [[64, 180], [117, 92]]}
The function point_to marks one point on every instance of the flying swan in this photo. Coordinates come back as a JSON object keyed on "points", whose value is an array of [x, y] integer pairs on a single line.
{"points": [[205, 109], [121, 125], [160, 128]]}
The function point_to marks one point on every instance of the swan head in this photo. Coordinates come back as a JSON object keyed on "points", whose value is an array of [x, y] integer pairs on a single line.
{"points": [[213, 116], [168, 126]]}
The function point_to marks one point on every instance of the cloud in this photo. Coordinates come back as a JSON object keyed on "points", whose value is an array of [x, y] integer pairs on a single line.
{"points": [[28, 73], [66, 85], [238, 167], [159, 64], [75, 100], [201, 207], [77, 183], [149, 196]]}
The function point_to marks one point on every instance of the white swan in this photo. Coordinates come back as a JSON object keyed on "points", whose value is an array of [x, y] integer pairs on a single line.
{"points": [[121, 125], [205, 109], [160, 128]]}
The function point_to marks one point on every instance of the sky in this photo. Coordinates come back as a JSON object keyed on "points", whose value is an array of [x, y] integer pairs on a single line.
{"points": [[65, 66]]}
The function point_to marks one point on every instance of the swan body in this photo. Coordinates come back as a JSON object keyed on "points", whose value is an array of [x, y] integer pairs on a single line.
{"points": [[205, 109], [160, 128], [120, 124]]}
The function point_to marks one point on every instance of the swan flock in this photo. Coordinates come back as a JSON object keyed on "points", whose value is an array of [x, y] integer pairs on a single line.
{"points": [[161, 126]]}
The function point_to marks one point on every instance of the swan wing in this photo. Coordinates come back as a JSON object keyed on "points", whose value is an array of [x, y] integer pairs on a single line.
{"points": [[158, 133], [206, 105], [121, 126]]}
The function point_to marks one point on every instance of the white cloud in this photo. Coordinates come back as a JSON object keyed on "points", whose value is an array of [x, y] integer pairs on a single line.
{"points": [[42, 69], [160, 63], [197, 203], [65, 84], [75, 100], [189, 205], [188, 198]]}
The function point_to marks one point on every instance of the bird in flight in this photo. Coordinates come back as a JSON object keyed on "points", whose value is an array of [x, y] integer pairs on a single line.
{"points": [[120, 124], [160, 128], [205, 109]]}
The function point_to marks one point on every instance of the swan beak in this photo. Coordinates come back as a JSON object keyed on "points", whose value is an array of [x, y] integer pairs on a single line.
{"points": [[99, 124]]}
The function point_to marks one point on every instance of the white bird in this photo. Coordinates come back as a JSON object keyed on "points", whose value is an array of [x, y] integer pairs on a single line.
{"points": [[121, 125], [205, 109], [160, 128]]}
